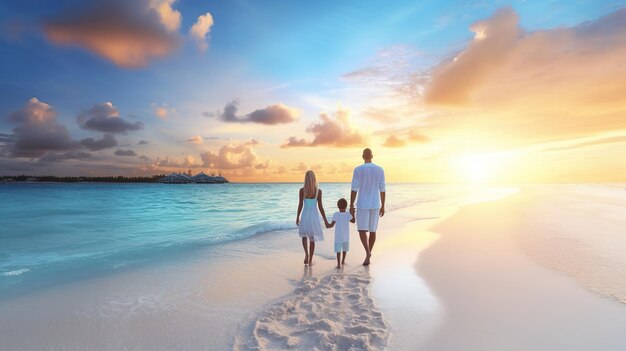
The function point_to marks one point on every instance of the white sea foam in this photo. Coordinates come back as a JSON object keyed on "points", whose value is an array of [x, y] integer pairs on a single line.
{"points": [[15, 272]]}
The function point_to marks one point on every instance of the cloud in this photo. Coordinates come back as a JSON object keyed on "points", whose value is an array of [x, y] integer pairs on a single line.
{"points": [[127, 33], [68, 155], [37, 132], [235, 155], [601, 141], [128, 152], [106, 118], [394, 141], [330, 131], [381, 114], [169, 17], [189, 161], [418, 137], [516, 87], [271, 115], [301, 167], [107, 141], [162, 111], [453, 81], [196, 139], [143, 142], [200, 31], [413, 137]]}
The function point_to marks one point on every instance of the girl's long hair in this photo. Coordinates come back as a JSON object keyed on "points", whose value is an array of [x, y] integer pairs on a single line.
{"points": [[310, 185]]}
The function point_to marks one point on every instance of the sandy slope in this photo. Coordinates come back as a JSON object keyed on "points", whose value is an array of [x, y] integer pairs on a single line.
{"points": [[497, 298]]}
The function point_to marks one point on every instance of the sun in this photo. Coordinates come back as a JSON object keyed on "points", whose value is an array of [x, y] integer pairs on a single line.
{"points": [[476, 168]]}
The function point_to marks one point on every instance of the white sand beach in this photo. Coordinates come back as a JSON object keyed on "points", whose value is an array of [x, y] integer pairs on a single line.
{"points": [[442, 278], [496, 290]]}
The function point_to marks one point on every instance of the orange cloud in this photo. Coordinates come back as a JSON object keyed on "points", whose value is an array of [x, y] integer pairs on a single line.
{"points": [[536, 86], [169, 17], [330, 131], [162, 111], [127, 33], [236, 155], [413, 136], [454, 80], [394, 141], [196, 139]]}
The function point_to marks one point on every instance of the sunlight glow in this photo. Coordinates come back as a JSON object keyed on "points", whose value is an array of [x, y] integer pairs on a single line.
{"points": [[477, 168]]}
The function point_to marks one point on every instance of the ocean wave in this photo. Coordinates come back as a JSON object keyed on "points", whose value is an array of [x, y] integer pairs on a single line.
{"points": [[265, 227], [15, 272]]}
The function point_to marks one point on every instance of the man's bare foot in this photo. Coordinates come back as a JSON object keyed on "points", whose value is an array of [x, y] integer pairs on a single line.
{"points": [[367, 260], [306, 259], [338, 266], [310, 262]]}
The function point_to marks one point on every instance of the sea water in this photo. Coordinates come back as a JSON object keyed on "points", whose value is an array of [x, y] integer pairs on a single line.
{"points": [[51, 233]]}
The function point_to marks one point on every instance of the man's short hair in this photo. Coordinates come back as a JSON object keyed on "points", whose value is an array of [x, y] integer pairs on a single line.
{"points": [[367, 152]]}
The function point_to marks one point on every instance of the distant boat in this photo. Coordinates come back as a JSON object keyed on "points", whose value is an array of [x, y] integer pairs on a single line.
{"points": [[200, 178]]}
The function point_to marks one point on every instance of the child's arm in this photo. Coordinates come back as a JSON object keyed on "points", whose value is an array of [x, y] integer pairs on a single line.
{"points": [[300, 203], [330, 225]]}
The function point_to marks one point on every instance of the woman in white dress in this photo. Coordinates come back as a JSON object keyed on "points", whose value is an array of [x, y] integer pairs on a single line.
{"points": [[309, 226]]}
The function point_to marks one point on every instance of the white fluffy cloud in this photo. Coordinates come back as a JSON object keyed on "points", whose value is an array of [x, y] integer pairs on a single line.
{"points": [[201, 29], [235, 155]]}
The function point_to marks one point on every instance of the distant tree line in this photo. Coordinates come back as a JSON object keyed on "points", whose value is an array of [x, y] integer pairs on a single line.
{"points": [[92, 179]]}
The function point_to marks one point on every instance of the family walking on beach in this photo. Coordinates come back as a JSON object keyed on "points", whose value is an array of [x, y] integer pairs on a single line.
{"points": [[368, 189]]}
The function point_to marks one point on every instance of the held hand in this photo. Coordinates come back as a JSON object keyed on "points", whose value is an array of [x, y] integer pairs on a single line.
{"points": [[352, 211], [382, 211]]}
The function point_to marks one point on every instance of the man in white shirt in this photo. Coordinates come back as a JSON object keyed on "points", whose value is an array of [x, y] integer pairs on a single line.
{"points": [[368, 181]]}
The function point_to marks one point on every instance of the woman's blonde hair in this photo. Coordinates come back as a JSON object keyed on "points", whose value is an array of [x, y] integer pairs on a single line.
{"points": [[310, 185]]}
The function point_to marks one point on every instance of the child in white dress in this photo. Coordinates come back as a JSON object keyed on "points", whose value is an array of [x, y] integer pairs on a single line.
{"points": [[309, 226], [342, 231]]}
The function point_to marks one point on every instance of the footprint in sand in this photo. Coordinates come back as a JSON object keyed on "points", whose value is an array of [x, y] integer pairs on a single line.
{"points": [[333, 313]]}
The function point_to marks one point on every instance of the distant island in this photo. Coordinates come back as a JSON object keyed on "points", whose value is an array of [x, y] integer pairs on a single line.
{"points": [[172, 178]]}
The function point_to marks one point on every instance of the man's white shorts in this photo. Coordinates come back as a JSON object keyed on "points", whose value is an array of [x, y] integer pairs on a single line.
{"points": [[367, 219]]}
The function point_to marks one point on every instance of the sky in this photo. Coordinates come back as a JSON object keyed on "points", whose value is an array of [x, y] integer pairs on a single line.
{"points": [[441, 91]]}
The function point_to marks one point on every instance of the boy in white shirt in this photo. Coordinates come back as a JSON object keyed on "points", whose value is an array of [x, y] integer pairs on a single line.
{"points": [[342, 230]]}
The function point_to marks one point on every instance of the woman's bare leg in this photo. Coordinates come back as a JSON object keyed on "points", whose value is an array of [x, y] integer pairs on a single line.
{"points": [[311, 251], [306, 251], [343, 261], [338, 258]]}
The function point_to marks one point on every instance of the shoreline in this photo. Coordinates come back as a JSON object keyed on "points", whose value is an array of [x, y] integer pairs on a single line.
{"points": [[497, 297]]}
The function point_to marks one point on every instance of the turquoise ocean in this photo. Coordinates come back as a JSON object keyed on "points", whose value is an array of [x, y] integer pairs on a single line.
{"points": [[52, 233]]}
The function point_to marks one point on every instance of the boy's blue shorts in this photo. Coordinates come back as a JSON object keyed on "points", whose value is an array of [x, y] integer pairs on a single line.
{"points": [[339, 247]]}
